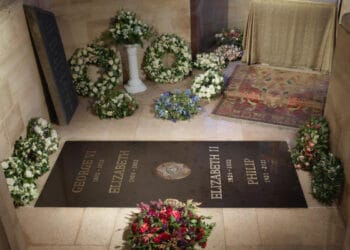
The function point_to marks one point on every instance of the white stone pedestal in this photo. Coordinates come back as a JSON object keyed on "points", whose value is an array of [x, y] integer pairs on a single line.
{"points": [[134, 85]]}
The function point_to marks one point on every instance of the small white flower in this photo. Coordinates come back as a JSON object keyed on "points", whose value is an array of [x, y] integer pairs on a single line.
{"points": [[38, 130], [5, 165], [10, 181], [28, 174]]}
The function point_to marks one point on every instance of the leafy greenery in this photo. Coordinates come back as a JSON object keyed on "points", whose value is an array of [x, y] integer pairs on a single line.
{"points": [[152, 61], [206, 61], [20, 180], [30, 160], [232, 36], [312, 153], [311, 143], [115, 105], [32, 152], [41, 129], [328, 178], [160, 225], [177, 106], [109, 69], [125, 28], [208, 84]]}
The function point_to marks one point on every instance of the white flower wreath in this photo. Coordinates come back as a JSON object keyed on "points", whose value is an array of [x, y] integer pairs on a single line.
{"points": [[211, 60], [42, 129], [208, 84], [106, 59], [153, 65], [20, 180], [32, 152], [115, 105]]}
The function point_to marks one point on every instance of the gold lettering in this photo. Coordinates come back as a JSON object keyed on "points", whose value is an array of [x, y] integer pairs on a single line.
{"points": [[80, 179], [216, 196], [250, 171], [215, 174], [118, 172], [213, 149]]}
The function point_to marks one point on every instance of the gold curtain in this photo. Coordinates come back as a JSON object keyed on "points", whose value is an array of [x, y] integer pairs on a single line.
{"points": [[290, 34]]}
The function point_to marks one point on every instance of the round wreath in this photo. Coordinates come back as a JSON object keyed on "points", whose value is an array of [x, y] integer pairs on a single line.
{"points": [[208, 84], [42, 129], [32, 152], [106, 59], [153, 65], [20, 180], [115, 105]]}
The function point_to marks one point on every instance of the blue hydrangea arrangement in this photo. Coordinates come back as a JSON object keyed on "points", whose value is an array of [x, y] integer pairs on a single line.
{"points": [[177, 105]]}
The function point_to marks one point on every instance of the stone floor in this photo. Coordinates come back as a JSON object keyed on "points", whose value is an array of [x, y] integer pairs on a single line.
{"points": [[317, 227]]}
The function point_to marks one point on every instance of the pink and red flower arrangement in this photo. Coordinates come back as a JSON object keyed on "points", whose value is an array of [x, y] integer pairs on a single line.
{"points": [[311, 143], [160, 225]]}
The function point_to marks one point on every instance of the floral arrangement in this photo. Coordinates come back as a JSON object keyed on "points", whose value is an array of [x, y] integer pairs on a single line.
{"points": [[160, 225], [30, 160], [153, 65], [311, 142], [229, 52], [20, 179], [177, 105], [115, 105], [42, 129], [32, 152], [125, 28], [328, 179], [232, 36], [208, 84], [207, 61], [105, 59]]}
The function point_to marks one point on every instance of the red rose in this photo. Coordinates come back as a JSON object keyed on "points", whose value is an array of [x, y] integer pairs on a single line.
{"points": [[134, 227], [203, 244], [164, 221], [154, 229], [156, 239], [145, 239], [176, 214], [163, 214], [144, 227], [183, 229], [165, 236], [199, 237]]}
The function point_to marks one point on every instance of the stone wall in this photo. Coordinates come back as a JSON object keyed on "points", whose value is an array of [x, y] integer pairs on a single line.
{"points": [[338, 114], [21, 98], [81, 21]]}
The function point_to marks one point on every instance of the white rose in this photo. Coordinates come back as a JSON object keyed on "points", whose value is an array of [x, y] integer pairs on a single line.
{"points": [[28, 174], [10, 181], [54, 134], [38, 130], [5, 165]]}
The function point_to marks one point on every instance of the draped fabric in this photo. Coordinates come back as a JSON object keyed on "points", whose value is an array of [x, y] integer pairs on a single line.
{"points": [[290, 33]]}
